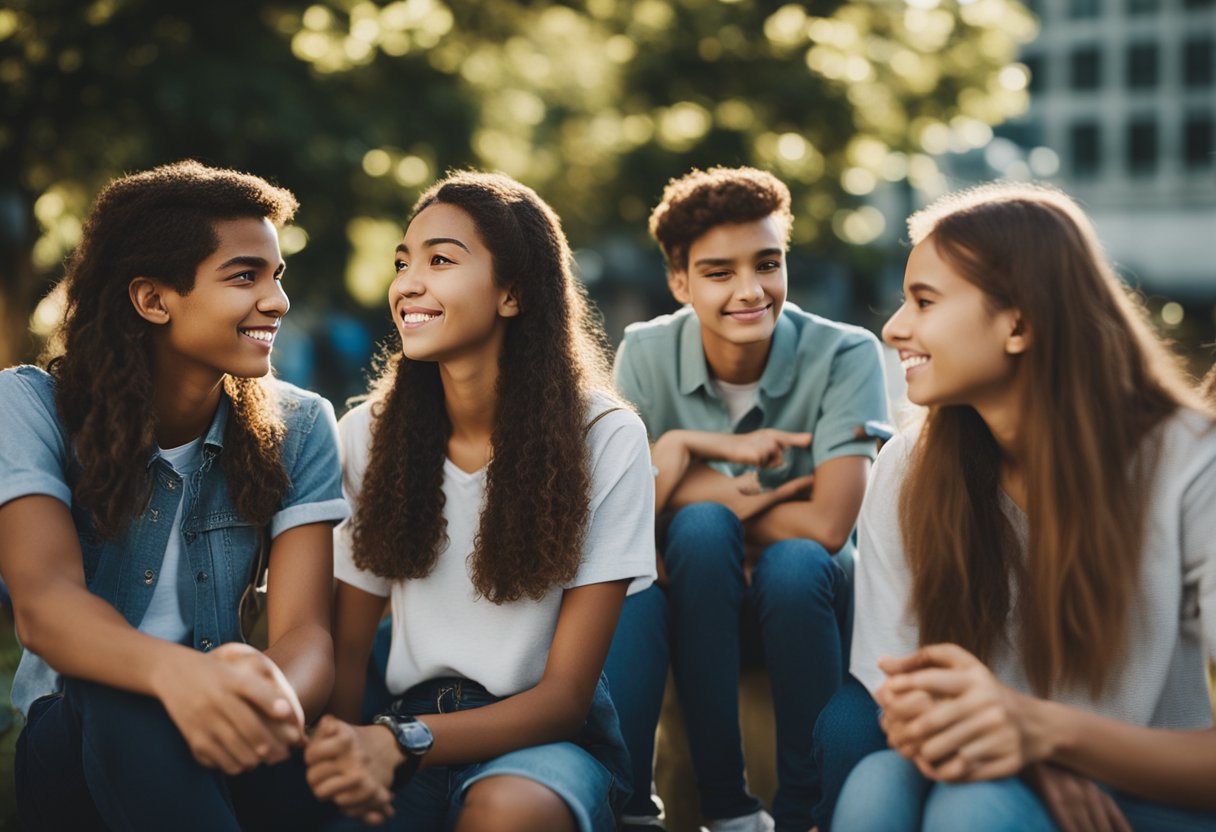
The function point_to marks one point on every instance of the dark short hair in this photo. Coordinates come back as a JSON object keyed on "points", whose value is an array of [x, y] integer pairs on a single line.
{"points": [[704, 199]]}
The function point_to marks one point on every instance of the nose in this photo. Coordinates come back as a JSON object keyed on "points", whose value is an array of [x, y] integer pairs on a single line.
{"points": [[406, 284], [896, 327], [749, 290], [274, 301]]}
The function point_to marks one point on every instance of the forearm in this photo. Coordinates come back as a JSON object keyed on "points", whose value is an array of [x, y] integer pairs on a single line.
{"points": [[305, 654], [81, 636], [1173, 767], [798, 519], [702, 484]]}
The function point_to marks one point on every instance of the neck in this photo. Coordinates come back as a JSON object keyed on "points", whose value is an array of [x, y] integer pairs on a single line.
{"points": [[184, 406], [1003, 416], [735, 363], [470, 397]]}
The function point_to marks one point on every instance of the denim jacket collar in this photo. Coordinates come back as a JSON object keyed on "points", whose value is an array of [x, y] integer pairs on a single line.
{"points": [[213, 442]]}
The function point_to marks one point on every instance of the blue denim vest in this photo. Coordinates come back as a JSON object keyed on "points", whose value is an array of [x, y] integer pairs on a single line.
{"points": [[219, 546]]}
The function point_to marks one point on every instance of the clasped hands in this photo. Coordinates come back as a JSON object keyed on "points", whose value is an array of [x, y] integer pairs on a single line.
{"points": [[944, 710]]}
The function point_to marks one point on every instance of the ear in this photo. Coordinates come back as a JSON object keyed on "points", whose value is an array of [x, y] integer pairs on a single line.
{"points": [[677, 282], [508, 304], [147, 296], [1018, 340]]}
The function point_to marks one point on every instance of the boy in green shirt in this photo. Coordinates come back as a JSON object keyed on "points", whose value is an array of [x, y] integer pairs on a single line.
{"points": [[754, 408]]}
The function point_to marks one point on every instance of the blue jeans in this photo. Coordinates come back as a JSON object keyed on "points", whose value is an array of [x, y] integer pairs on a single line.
{"points": [[797, 601], [589, 774], [886, 793], [95, 757], [846, 732]]}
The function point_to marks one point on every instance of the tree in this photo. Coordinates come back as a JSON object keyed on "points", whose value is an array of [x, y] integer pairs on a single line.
{"points": [[357, 105]]}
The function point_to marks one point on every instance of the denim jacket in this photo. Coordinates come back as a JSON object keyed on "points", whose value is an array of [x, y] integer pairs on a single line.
{"points": [[219, 546]]}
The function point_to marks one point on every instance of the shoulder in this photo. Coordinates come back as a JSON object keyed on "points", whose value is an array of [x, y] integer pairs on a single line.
{"points": [[664, 330], [296, 405], [1187, 445], [28, 381], [607, 416], [892, 463], [356, 423], [817, 333]]}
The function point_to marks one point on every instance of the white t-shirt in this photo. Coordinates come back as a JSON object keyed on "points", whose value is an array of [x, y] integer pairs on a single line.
{"points": [[1162, 682], [738, 398], [170, 613], [441, 627]]}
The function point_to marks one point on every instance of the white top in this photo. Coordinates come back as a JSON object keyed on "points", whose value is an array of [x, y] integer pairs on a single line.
{"points": [[738, 398], [441, 627], [170, 613], [1162, 683]]}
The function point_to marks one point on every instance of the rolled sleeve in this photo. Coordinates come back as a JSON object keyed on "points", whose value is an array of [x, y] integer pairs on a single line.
{"points": [[315, 495], [33, 449], [856, 393]]}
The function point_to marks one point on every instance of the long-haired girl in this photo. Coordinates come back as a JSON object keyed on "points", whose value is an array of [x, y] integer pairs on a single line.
{"points": [[1036, 591], [140, 474], [503, 500]]}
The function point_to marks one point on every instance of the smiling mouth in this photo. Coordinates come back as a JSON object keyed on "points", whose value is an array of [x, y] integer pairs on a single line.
{"points": [[749, 314], [913, 361], [413, 320], [262, 336]]}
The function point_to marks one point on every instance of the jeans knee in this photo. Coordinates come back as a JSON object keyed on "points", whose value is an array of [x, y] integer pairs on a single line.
{"points": [[796, 570], [847, 728], [999, 805], [710, 533], [116, 724]]}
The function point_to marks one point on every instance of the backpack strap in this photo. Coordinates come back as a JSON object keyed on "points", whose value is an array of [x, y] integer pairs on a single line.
{"points": [[600, 415]]}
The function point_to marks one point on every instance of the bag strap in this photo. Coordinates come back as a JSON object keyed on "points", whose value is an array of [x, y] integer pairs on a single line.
{"points": [[600, 415]]}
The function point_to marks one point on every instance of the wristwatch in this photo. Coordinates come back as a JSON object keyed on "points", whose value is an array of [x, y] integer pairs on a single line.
{"points": [[415, 740]]}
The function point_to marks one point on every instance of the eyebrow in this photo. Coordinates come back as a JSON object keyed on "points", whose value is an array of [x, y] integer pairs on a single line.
{"points": [[726, 261], [434, 241], [251, 260], [923, 287]]}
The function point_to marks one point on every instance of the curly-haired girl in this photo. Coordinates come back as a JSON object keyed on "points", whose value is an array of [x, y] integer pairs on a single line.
{"points": [[140, 473], [503, 500], [1037, 584]]}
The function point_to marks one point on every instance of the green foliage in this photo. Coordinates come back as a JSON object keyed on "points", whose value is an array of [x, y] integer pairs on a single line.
{"points": [[357, 105]]}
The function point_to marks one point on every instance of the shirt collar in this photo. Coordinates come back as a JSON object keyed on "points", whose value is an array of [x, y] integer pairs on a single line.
{"points": [[778, 375]]}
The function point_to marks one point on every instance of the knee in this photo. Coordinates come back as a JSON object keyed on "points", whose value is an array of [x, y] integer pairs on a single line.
{"points": [[710, 533], [847, 729], [997, 805], [796, 570], [508, 803], [112, 719]]}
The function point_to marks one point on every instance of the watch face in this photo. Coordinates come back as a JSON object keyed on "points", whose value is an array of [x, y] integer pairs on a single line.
{"points": [[416, 736]]}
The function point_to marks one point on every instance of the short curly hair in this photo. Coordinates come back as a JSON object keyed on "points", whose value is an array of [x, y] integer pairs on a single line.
{"points": [[704, 199]]}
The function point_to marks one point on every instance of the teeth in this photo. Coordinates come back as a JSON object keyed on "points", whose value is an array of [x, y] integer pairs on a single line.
{"points": [[259, 334], [914, 361], [417, 317]]}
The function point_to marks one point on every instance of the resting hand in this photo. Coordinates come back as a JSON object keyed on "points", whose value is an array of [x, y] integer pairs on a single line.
{"points": [[233, 706], [353, 766], [764, 448], [1076, 803], [973, 727]]}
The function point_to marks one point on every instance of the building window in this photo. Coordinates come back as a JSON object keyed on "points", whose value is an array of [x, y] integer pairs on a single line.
{"points": [[1142, 66], [1143, 6], [1199, 142], [1142, 146], [1035, 65], [1197, 62], [1078, 9], [1086, 65], [1085, 149]]}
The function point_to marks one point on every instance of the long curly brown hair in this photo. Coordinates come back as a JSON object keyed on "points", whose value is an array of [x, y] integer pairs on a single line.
{"points": [[538, 482], [156, 224], [1099, 381]]}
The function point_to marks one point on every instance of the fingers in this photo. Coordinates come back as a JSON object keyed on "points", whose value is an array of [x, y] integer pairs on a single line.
{"points": [[261, 690], [267, 741], [935, 681], [933, 655], [966, 734]]}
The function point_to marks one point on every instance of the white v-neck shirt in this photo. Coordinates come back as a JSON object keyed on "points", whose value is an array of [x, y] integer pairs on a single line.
{"points": [[441, 626]]}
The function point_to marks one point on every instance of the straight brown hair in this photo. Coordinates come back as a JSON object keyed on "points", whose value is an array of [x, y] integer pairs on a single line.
{"points": [[1098, 380]]}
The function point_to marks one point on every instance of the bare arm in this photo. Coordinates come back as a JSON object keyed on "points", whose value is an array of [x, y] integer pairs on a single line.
{"points": [[354, 766], [301, 575], [702, 484], [357, 614], [229, 704], [827, 517]]}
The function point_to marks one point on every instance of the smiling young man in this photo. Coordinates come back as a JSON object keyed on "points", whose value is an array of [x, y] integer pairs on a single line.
{"points": [[758, 403]]}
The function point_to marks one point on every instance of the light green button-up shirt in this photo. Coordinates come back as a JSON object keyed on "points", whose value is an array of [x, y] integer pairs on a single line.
{"points": [[820, 376]]}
